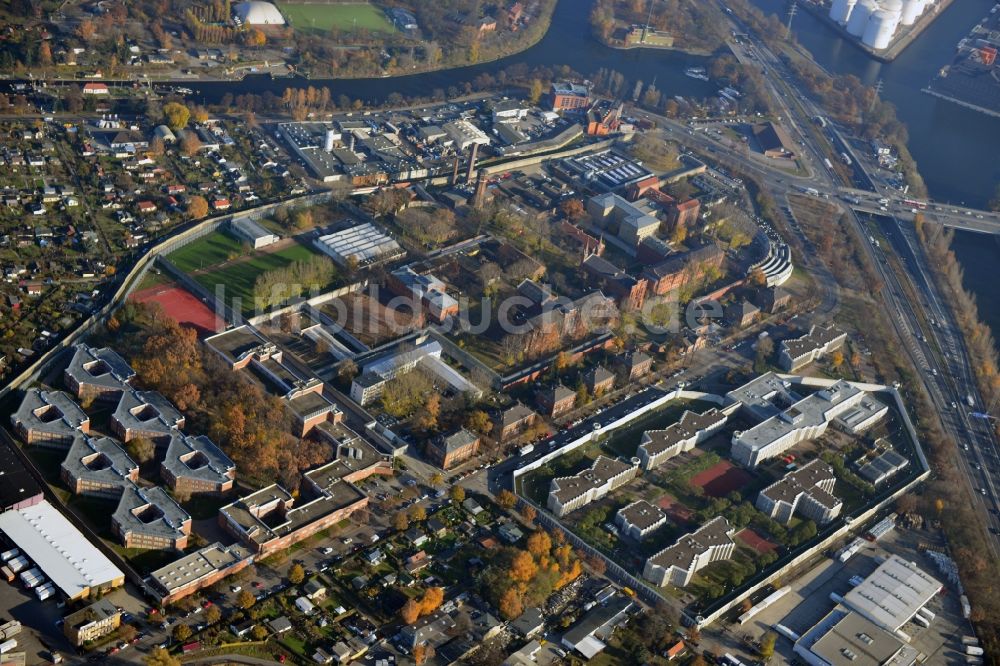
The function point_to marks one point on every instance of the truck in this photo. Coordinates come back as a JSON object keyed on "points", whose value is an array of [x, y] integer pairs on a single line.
{"points": [[846, 159], [18, 563], [46, 591], [811, 191], [970, 640], [526, 449], [970, 401], [7, 646], [828, 163], [8, 555], [32, 577], [974, 650], [9, 629]]}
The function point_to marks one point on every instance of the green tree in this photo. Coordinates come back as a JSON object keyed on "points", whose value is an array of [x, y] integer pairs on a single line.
{"points": [[177, 115], [141, 449]]}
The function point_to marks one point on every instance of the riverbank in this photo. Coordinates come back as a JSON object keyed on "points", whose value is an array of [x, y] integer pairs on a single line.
{"points": [[899, 43]]}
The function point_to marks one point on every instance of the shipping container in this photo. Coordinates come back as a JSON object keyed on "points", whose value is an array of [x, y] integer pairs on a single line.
{"points": [[7, 646], [970, 640], [9, 629], [9, 554], [7, 574], [18, 563], [46, 591], [974, 650]]}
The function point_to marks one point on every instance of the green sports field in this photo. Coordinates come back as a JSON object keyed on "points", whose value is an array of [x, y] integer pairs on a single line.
{"points": [[322, 17], [238, 277]]}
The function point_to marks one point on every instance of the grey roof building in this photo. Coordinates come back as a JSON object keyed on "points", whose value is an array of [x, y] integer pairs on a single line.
{"points": [[639, 519], [893, 593], [588, 635], [658, 446], [150, 518], [677, 564], [145, 414], [819, 341], [884, 466], [807, 491], [49, 418], [196, 465], [97, 374], [844, 637], [98, 467], [568, 493]]}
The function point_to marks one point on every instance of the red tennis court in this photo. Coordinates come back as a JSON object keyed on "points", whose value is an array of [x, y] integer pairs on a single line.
{"points": [[180, 304], [756, 541], [721, 479], [676, 511]]}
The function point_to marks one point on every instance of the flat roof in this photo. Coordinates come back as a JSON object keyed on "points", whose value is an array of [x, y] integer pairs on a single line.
{"points": [[150, 511], [197, 458], [818, 337], [690, 425], [236, 343], [53, 412], [844, 637], [58, 549], [893, 593], [683, 552], [198, 565], [102, 460], [99, 367], [16, 482]]}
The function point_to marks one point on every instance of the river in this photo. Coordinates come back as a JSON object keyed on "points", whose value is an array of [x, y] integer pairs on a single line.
{"points": [[957, 150]]}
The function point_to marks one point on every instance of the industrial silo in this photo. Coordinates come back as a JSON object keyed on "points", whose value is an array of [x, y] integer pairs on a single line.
{"points": [[881, 27], [840, 11], [858, 21], [911, 10]]}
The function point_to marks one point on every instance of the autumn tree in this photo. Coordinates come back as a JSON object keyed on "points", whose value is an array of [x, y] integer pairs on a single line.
{"points": [[436, 479], [181, 633], [197, 207], [535, 91], [418, 513], [177, 115], [410, 611], [522, 567], [296, 574], [190, 144], [245, 599], [160, 657], [259, 632], [400, 521], [511, 605], [141, 449], [529, 513], [478, 421], [837, 359], [539, 544], [506, 499], [458, 493], [432, 599], [127, 632], [572, 210], [213, 614]]}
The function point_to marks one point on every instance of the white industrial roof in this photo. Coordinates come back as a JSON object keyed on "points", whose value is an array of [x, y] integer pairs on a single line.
{"points": [[891, 595], [58, 549], [256, 12]]}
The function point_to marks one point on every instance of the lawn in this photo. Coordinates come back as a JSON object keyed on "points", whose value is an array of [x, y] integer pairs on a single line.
{"points": [[348, 17], [238, 278], [206, 251]]}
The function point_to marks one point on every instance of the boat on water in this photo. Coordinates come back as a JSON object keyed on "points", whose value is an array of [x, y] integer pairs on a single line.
{"points": [[696, 73]]}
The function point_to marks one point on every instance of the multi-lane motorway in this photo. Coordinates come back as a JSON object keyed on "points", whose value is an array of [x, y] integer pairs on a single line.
{"points": [[926, 326]]}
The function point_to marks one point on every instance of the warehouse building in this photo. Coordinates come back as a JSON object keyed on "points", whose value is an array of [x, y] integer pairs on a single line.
{"points": [[63, 554], [893, 593], [844, 637], [252, 232], [363, 244], [19, 489]]}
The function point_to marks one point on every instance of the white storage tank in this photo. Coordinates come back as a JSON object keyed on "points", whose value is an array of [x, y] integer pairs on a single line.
{"points": [[881, 28], [911, 10], [862, 11], [891, 6], [840, 11]]}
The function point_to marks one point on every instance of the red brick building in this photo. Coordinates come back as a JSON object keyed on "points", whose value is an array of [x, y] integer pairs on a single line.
{"points": [[555, 400], [569, 97], [685, 213], [447, 451]]}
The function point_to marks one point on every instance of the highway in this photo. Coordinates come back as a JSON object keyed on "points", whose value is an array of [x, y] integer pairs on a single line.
{"points": [[933, 341]]}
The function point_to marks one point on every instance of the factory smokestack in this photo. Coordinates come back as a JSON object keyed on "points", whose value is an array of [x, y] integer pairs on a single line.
{"points": [[472, 163]]}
